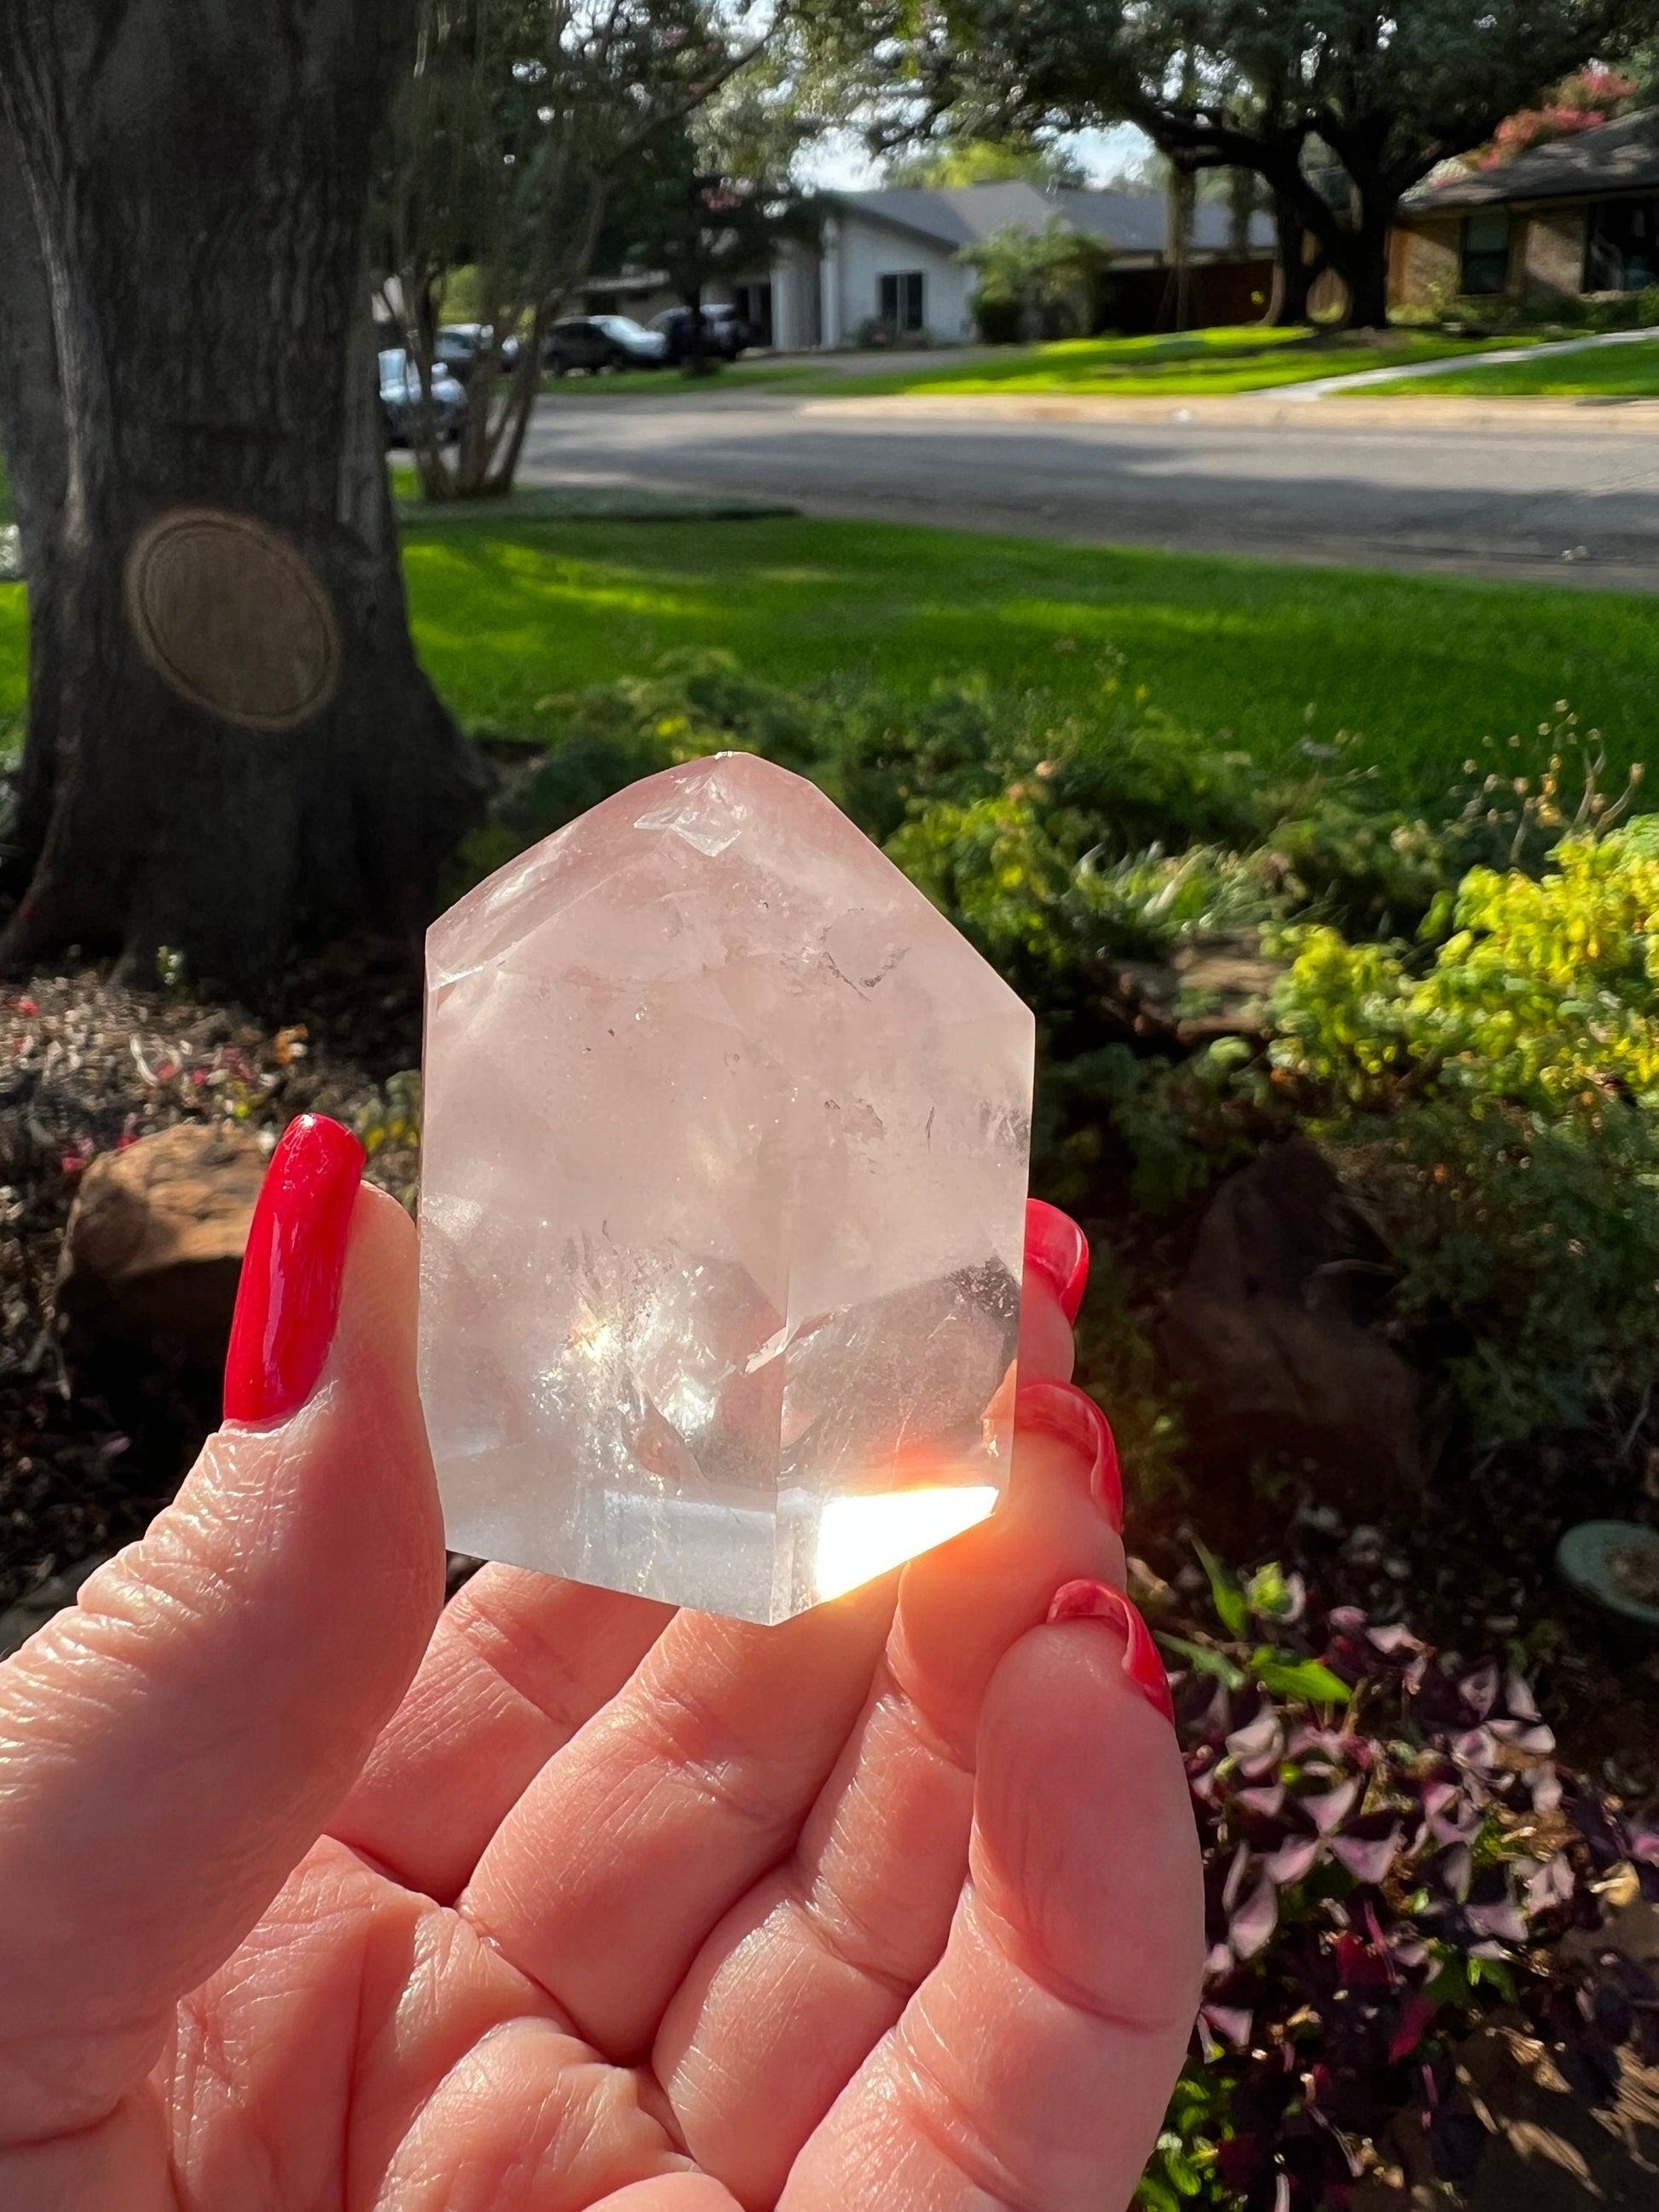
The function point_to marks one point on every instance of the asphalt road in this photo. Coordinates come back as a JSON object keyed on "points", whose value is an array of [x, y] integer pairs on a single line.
{"points": [[1549, 501]]}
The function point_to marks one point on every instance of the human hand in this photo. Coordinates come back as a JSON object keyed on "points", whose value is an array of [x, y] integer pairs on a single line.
{"points": [[573, 1901]]}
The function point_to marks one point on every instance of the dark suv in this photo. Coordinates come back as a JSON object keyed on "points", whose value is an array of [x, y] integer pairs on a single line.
{"points": [[597, 342], [725, 333]]}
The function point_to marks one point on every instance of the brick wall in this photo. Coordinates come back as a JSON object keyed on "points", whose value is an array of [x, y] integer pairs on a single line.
{"points": [[1552, 252], [1424, 262]]}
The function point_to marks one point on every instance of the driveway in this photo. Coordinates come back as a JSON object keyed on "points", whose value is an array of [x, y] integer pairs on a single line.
{"points": [[1550, 493]]}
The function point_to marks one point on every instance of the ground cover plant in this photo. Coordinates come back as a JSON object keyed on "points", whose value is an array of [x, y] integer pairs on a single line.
{"points": [[1392, 1853]]}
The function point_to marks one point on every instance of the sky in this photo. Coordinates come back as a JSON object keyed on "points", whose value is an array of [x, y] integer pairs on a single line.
{"points": [[839, 162]]}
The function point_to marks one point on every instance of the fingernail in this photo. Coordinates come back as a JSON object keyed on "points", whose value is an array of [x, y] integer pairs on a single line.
{"points": [[1058, 1249], [1100, 1601], [289, 1299], [1060, 1409]]}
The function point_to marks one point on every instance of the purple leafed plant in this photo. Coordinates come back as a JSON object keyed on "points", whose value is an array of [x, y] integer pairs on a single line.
{"points": [[1391, 1849]]}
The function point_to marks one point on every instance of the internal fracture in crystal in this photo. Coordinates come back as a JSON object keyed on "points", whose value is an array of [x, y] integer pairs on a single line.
{"points": [[723, 1178]]}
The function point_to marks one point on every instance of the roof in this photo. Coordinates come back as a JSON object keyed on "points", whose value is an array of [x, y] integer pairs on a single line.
{"points": [[954, 215], [1614, 157]]}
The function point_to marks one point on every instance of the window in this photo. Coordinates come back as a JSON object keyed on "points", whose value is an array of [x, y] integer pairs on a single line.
{"points": [[1486, 253], [901, 301], [1621, 245]]}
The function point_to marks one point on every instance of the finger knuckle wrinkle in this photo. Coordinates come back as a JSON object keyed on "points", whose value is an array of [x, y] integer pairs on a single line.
{"points": [[524, 1663], [691, 1741], [1135, 2004], [843, 1935], [944, 2123]]}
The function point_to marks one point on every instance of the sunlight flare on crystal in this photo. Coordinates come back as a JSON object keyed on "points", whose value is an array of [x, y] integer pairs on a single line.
{"points": [[860, 1538]]}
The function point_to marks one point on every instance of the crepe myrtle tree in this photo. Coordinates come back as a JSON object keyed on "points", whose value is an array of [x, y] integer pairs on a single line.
{"points": [[706, 204], [230, 743], [1380, 91], [512, 135]]}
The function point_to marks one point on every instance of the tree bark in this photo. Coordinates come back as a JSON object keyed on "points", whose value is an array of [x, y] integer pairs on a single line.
{"points": [[1365, 262], [32, 437], [198, 179], [1294, 275]]}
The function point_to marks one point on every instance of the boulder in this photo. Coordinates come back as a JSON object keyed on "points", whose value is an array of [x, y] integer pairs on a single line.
{"points": [[1207, 987], [1272, 1334], [154, 1245]]}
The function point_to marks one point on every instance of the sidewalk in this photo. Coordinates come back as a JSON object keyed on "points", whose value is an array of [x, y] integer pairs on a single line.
{"points": [[1500, 357], [1281, 410]]}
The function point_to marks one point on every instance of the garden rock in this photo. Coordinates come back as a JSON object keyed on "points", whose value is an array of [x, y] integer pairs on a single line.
{"points": [[154, 1245], [1273, 1332], [1207, 987]]}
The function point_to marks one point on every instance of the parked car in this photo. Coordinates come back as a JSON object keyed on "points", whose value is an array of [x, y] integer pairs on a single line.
{"points": [[400, 399], [458, 345], [597, 342], [725, 333]]}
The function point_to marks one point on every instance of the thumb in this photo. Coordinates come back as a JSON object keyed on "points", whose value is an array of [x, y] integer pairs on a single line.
{"points": [[172, 1746]]}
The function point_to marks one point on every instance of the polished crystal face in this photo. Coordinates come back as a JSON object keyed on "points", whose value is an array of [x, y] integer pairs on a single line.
{"points": [[722, 1194]]}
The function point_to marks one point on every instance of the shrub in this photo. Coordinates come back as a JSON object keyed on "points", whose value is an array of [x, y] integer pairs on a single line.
{"points": [[1496, 1099], [1040, 283], [1481, 1054]]}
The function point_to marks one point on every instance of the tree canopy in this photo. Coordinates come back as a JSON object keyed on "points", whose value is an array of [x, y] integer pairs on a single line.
{"points": [[1382, 90], [950, 160]]}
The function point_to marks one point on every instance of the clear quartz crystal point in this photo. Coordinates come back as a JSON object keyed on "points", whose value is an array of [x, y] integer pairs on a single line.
{"points": [[722, 1201]]}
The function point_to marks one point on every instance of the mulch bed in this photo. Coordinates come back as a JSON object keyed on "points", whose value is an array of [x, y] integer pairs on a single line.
{"points": [[88, 1065]]}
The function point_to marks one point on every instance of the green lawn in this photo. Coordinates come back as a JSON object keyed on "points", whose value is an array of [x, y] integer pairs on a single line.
{"points": [[509, 614], [1614, 371], [1248, 358], [1417, 668]]}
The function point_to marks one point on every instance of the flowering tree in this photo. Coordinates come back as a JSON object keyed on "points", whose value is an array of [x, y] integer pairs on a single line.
{"points": [[1581, 102]]}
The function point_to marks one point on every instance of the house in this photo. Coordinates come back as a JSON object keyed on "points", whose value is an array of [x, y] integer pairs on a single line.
{"points": [[1578, 216], [887, 261]]}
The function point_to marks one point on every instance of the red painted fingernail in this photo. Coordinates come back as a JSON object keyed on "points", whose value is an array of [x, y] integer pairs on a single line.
{"points": [[1060, 1409], [1100, 1601], [1058, 1248], [288, 1298]]}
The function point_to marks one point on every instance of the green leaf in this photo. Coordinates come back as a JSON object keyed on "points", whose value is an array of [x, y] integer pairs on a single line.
{"points": [[1267, 1593], [1183, 2175], [1228, 1599], [1496, 1972], [1310, 1681], [1204, 1661], [1157, 2196]]}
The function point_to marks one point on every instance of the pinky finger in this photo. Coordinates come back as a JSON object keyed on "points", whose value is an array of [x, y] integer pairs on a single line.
{"points": [[1033, 2066]]}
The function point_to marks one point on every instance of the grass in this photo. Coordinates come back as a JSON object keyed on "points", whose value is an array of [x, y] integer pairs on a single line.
{"points": [[1618, 372], [509, 614], [1418, 669], [1248, 358]]}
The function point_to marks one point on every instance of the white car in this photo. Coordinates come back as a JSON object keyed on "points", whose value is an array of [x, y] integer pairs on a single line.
{"points": [[400, 399]]}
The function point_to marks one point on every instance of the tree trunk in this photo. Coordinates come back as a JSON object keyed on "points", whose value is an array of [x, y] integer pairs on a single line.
{"points": [[1365, 265], [1182, 211], [239, 745], [32, 437], [1294, 275]]}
